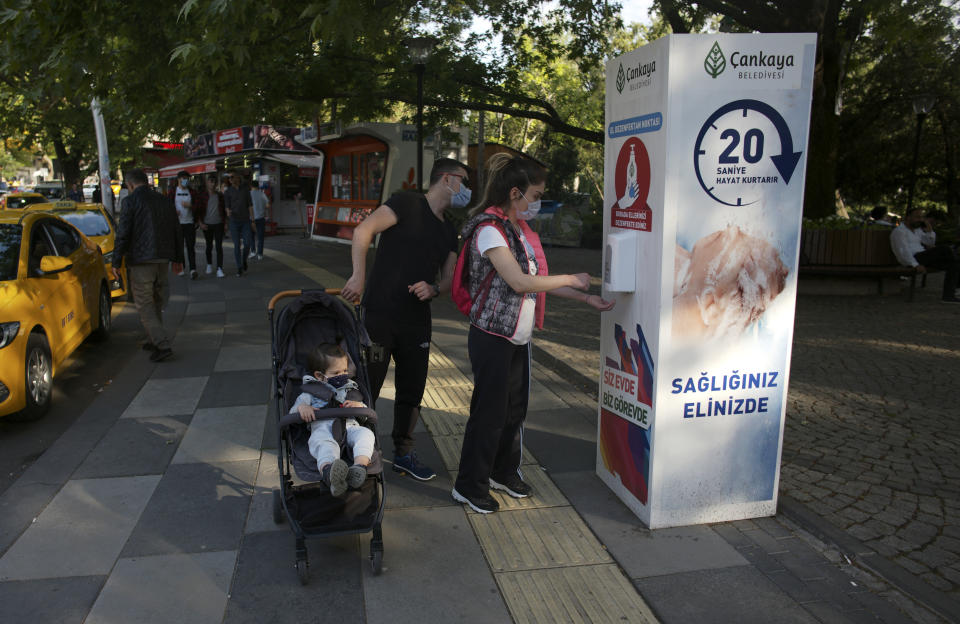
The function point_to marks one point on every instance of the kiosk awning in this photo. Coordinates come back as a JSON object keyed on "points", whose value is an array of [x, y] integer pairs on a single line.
{"points": [[191, 166], [298, 160]]}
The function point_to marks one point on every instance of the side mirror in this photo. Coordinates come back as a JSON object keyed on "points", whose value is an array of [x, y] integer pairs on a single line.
{"points": [[54, 264]]}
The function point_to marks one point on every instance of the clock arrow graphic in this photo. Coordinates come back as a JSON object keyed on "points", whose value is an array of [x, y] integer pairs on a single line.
{"points": [[786, 161]]}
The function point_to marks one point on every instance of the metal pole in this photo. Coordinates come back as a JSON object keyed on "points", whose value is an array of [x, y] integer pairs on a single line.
{"points": [[480, 145], [106, 193], [419, 67], [916, 152]]}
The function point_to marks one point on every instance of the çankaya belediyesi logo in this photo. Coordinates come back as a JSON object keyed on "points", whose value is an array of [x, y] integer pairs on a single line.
{"points": [[641, 72], [716, 62]]}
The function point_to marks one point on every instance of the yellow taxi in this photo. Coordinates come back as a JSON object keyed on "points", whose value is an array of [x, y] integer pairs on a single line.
{"points": [[96, 224], [18, 200], [54, 292]]}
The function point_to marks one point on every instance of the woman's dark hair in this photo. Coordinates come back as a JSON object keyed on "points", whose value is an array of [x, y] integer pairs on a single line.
{"points": [[504, 172], [323, 356]]}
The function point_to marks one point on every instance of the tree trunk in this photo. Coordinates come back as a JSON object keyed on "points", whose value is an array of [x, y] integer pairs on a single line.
{"points": [[69, 163]]}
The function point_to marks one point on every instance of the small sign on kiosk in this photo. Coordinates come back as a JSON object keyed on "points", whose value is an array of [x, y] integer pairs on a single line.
{"points": [[705, 155]]}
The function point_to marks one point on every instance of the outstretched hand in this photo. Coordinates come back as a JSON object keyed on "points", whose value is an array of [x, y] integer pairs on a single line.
{"points": [[582, 281], [599, 303]]}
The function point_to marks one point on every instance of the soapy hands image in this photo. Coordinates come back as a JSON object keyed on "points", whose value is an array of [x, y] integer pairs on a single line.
{"points": [[724, 284]]}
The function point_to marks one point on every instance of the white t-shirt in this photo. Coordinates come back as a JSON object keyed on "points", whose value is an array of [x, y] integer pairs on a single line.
{"points": [[182, 200], [488, 237]]}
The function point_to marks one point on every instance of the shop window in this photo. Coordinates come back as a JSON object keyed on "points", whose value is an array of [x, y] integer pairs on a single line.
{"points": [[358, 176]]}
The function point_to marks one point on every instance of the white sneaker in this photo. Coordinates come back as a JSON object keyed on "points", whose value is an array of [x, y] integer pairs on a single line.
{"points": [[180, 274], [219, 272], [209, 269], [259, 256]]}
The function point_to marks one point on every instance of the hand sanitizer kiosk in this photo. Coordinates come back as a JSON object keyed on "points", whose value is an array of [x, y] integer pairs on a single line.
{"points": [[705, 153]]}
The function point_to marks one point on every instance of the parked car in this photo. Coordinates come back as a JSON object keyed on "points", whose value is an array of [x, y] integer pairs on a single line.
{"points": [[54, 293], [17, 200], [88, 191], [51, 190], [98, 225]]}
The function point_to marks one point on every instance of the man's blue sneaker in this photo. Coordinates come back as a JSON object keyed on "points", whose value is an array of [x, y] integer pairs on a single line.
{"points": [[410, 465]]}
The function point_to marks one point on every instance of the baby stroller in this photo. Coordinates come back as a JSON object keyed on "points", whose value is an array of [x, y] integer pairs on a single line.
{"points": [[312, 318]]}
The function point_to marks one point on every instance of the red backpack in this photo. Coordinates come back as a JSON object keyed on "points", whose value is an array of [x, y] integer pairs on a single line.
{"points": [[460, 287]]}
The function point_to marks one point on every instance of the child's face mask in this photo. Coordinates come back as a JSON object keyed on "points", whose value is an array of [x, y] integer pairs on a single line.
{"points": [[337, 381]]}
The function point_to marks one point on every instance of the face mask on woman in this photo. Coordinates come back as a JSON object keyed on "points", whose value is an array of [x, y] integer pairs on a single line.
{"points": [[461, 198], [183, 182], [533, 208]]}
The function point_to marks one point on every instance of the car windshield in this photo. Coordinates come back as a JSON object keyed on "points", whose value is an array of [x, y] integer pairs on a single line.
{"points": [[52, 192], [10, 236], [20, 202], [87, 221]]}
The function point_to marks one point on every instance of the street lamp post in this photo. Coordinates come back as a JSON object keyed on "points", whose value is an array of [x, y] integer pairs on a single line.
{"points": [[420, 50], [922, 105]]}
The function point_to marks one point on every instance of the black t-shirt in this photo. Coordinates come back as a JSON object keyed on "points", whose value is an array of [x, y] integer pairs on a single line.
{"points": [[412, 250]]}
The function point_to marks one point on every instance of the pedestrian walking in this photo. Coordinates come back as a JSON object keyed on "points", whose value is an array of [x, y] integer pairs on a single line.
{"points": [[508, 280], [212, 223], [189, 214], [260, 205], [148, 238], [417, 244], [76, 192], [238, 203]]}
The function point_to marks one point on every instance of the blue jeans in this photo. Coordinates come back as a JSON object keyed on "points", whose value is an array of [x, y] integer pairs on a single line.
{"points": [[261, 224], [240, 232]]}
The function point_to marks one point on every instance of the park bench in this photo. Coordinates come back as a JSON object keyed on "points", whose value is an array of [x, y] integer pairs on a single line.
{"points": [[853, 253]]}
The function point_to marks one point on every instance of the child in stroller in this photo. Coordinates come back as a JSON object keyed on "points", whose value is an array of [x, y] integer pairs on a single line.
{"points": [[331, 386]]}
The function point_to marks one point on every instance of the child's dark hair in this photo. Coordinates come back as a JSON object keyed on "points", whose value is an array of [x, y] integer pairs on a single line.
{"points": [[323, 356]]}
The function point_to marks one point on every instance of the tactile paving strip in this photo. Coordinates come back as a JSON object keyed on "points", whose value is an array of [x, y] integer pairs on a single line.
{"points": [[449, 447], [596, 593], [448, 397], [448, 377], [545, 492], [444, 423], [531, 539]]}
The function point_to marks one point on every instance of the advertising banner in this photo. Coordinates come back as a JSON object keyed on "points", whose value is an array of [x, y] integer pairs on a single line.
{"points": [[705, 154], [233, 140]]}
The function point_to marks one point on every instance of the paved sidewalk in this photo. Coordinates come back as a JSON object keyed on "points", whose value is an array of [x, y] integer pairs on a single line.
{"points": [[155, 506]]}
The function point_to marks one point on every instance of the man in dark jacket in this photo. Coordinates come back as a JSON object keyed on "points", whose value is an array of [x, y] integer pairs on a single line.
{"points": [[149, 237]]}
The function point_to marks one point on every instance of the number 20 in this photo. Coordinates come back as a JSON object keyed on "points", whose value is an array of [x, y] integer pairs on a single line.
{"points": [[752, 146]]}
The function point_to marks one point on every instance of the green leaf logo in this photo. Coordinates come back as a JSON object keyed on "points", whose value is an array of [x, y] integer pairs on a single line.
{"points": [[715, 62], [621, 79]]}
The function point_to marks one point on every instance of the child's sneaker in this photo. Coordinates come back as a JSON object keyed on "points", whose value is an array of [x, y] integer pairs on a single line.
{"points": [[356, 475], [335, 475]]}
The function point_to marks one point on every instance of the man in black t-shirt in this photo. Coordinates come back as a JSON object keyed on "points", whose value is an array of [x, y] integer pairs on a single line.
{"points": [[416, 245]]}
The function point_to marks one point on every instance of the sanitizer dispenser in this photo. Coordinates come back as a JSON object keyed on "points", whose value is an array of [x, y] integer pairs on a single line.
{"points": [[620, 261]]}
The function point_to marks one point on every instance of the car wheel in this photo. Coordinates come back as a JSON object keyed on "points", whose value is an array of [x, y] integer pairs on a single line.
{"points": [[37, 379], [104, 317]]}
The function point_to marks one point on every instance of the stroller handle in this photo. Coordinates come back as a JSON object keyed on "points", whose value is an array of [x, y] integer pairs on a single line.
{"points": [[283, 294]]}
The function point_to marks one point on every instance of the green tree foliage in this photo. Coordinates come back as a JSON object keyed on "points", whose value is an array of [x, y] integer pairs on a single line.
{"points": [[910, 50]]}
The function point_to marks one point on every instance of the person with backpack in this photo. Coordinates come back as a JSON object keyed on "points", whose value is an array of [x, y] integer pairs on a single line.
{"points": [[500, 280], [416, 245]]}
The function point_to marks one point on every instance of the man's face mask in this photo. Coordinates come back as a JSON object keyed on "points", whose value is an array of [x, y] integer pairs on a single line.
{"points": [[183, 182], [461, 198]]}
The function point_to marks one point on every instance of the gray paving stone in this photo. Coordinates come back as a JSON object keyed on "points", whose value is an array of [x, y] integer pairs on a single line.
{"points": [[235, 315], [63, 600], [166, 397], [436, 544], [260, 516], [195, 508], [246, 357], [640, 551], [403, 492], [191, 361], [19, 505], [135, 446], [251, 333], [758, 598], [562, 440], [81, 531], [223, 434], [186, 589], [266, 588], [242, 387], [206, 307]]}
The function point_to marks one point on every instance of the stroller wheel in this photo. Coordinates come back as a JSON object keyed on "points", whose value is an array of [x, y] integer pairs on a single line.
{"points": [[376, 557], [278, 516], [303, 573]]}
